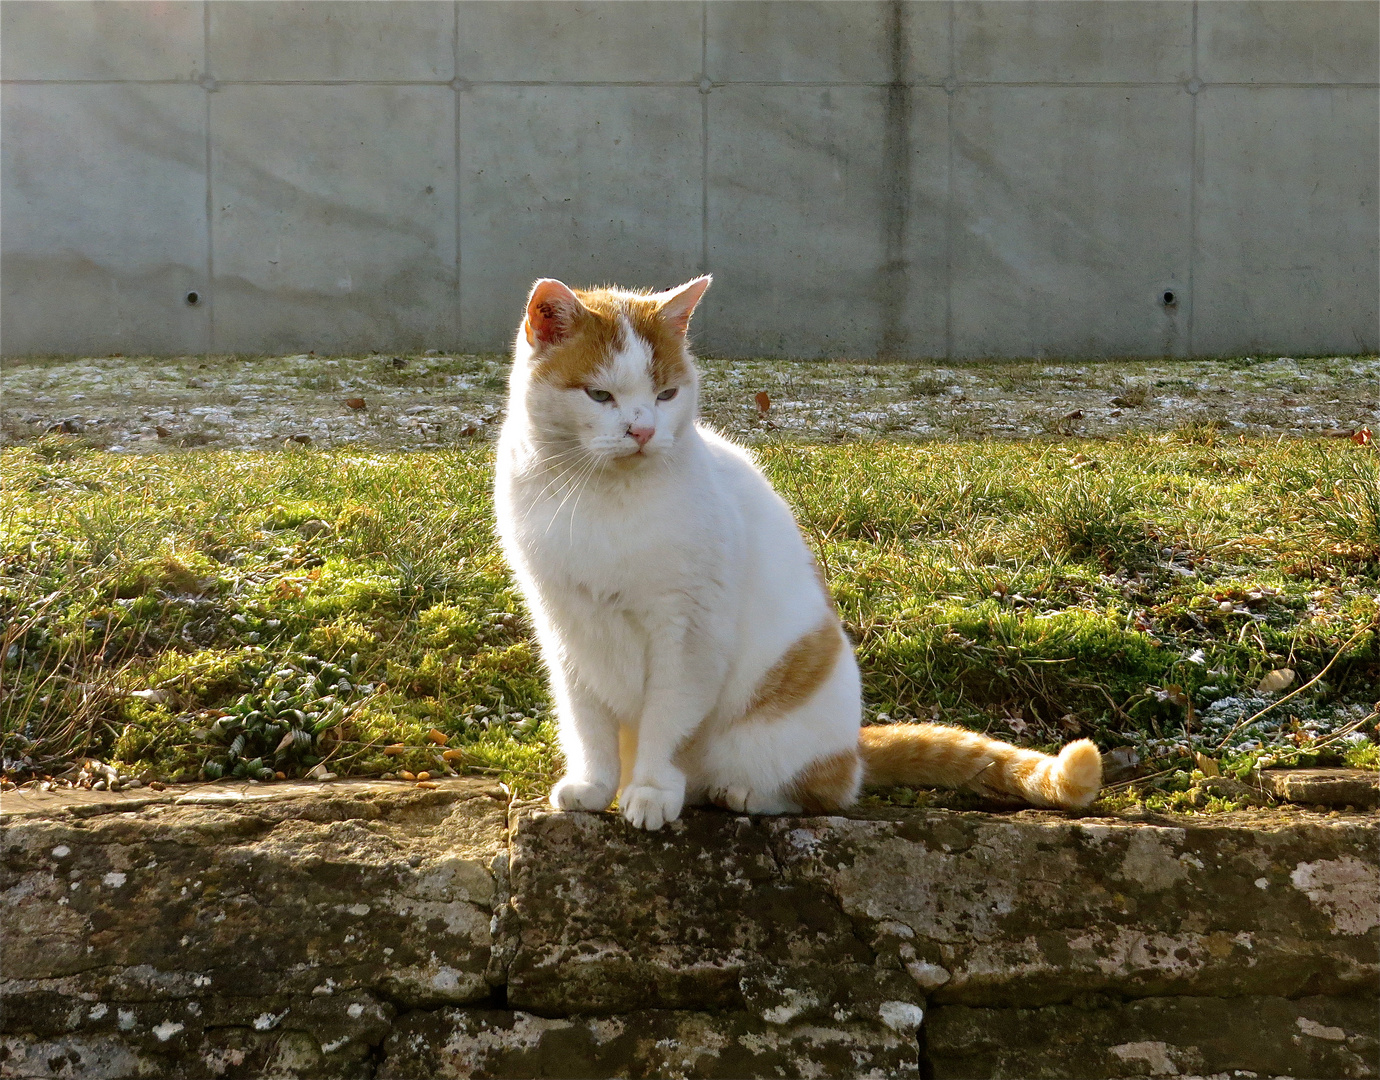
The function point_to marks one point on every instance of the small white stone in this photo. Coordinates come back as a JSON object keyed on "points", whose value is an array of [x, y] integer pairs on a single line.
{"points": [[114, 879], [356, 1010], [61, 851], [901, 1015], [1261, 883], [359, 909], [98, 1010], [167, 1030]]}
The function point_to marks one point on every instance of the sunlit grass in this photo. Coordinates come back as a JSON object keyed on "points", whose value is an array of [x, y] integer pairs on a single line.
{"points": [[1039, 590]]}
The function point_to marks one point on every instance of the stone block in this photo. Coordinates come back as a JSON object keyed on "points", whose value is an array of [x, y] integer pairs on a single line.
{"points": [[104, 189], [333, 218], [548, 41], [826, 252], [1286, 244], [665, 1045], [304, 894], [332, 40], [1322, 41], [1358, 788], [817, 41], [1071, 220], [592, 185], [1180, 1036], [1023, 910], [101, 39], [1073, 41]]}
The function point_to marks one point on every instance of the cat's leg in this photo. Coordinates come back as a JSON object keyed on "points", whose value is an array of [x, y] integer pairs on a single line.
{"points": [[684, 674], [588, 734], [802, 759]]}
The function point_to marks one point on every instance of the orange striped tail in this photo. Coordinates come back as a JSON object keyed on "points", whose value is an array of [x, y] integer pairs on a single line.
{"points": [[932, 755]]}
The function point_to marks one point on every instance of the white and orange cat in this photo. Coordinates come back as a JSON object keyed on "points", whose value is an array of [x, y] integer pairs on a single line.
{"points": [[694, 652]]}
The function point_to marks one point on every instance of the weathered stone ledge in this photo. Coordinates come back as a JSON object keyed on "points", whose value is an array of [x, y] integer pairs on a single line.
{"points": [[372, 930]]}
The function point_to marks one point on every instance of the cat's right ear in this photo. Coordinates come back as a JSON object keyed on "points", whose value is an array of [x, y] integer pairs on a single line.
{"points": [[551, 312]]}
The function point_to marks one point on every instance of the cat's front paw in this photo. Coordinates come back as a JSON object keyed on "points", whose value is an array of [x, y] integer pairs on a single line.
{"points": [[650, 807], [572, 794]]}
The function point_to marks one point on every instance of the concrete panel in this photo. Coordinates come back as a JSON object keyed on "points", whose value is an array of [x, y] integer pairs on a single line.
{"points": [[1071, 217], [332, 39], [100, 39], [1287, 225], [587, 184], [1319, 41], [104, 190], [603, 41], [334, 217], [823, 41], [800, 212], [1074, 41]]}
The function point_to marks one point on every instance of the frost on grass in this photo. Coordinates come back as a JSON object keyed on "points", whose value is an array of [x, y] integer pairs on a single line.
{"points": [[138, 404]]}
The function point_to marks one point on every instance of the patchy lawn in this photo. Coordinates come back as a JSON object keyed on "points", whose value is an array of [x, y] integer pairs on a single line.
{"points": [[260, 614]]}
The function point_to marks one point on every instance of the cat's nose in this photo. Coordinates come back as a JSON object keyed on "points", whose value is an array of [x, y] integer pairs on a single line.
{"points": [[641, 434]]}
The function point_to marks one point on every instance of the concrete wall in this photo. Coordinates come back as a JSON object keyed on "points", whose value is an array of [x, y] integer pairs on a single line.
{"points": [[935, 179]]}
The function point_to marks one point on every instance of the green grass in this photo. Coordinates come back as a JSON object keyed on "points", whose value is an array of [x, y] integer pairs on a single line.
{"points": [[275, 611]]}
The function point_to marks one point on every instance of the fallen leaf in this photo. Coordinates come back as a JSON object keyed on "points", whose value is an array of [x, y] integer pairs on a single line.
{"points": [[1277, 680], [355, 402], [300, 437], [163, 432], [1338, 433], [1206, 765], [1077, 414], [1174, 693], [763, 400], [440, 738], [453, 755], [1362, 437], [320, 772]]}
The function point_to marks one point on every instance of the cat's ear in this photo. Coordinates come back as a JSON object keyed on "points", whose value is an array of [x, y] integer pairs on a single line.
{"points": [[677, 305], [551, 312]]}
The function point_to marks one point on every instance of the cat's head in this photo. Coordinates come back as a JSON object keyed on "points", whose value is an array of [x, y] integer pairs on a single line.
{"points": [[606, 372]]}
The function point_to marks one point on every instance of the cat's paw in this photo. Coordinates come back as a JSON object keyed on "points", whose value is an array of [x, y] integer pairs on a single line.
{"points": [[745, 800], [650, 807], [572, 794]]}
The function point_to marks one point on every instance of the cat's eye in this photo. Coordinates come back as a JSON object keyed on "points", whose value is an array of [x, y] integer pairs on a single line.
{"points": [[598, 395], [667, 395]]}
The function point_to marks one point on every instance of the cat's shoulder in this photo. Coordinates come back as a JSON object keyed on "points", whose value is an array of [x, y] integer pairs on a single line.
{"points": [[727, 454]]}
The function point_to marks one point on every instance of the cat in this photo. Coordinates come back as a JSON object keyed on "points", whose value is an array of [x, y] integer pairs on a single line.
{"points": [[693, 649]]}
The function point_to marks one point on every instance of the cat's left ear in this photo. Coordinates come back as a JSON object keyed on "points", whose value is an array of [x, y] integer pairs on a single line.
{"points": [[677, 305]]}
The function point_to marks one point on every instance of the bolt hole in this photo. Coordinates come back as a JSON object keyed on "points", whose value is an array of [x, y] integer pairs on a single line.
{"points": [[1169, 298], [193, 298]]}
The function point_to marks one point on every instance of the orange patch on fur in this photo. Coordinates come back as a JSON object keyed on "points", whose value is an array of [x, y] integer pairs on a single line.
{"points": [[794, 678], [828, 784], [598, 331]]}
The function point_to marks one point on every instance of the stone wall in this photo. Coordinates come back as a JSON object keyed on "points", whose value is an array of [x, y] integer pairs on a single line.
{"points": [[882, 177], [374, 930]]}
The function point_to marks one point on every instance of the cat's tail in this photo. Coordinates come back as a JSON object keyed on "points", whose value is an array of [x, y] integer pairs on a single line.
{"points": [[939, 756]]}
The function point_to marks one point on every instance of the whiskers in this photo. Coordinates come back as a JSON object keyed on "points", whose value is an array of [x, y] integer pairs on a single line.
{"points": [[570, 471]]}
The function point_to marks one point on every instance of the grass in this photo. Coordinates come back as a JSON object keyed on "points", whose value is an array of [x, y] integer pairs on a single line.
{"points": [[257, 614]]}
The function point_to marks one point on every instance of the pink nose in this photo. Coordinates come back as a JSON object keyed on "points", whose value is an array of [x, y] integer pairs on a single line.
{"points": [[641, 434]]}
